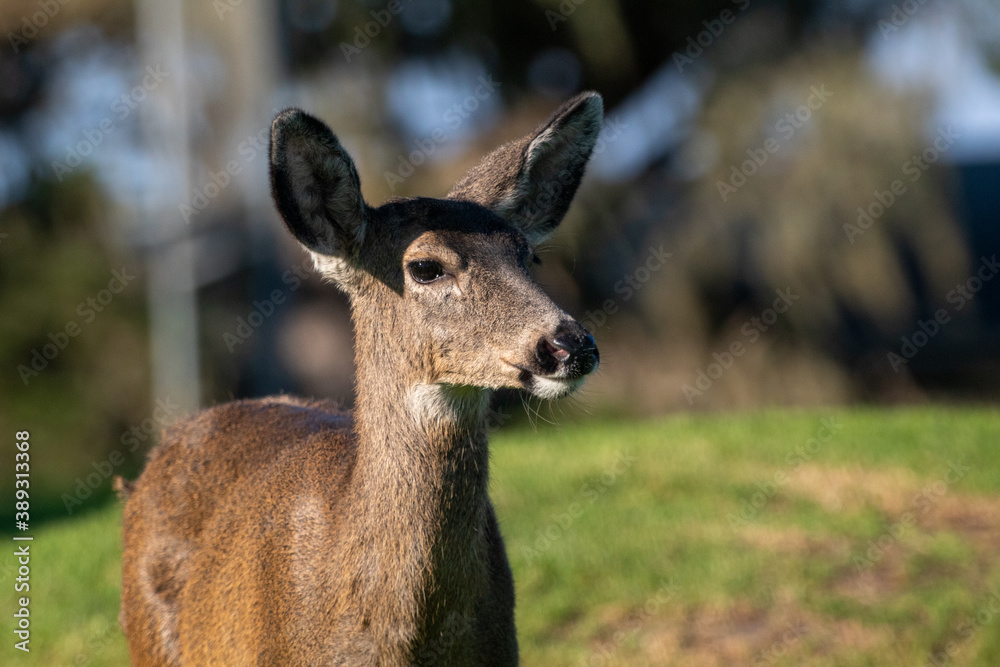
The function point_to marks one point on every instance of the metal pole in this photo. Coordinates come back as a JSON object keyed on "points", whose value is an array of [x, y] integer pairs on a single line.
{"points": [[172, 286]]}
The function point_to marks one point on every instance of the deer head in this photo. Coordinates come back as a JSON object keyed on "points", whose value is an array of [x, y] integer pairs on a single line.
{"points": [[441, 287]]}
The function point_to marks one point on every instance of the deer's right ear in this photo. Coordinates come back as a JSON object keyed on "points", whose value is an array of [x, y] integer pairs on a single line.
{"points": [[531, 182], [316, 186]]}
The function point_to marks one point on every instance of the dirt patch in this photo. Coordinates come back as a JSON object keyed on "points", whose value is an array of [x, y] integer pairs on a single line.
{"points": [[737, 634], [973, 518], [895, 491], [793, 540], [915, 509], [872, 584]]}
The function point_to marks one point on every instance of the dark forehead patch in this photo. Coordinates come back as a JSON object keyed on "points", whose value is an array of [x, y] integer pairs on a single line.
{"points": [[444, 214], [408, 218]]}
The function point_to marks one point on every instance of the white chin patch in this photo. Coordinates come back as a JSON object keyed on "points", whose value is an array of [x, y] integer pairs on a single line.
{"points": [[549, 388]]}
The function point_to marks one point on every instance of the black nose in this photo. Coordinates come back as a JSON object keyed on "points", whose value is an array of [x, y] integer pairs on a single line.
{"points": [[571, 348]]}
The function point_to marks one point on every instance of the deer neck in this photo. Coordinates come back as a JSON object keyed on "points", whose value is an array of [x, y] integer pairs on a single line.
{"points": [[421, 480], [426, 441]]}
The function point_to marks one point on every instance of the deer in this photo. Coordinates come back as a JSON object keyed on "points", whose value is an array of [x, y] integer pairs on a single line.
{"points": [[287, 531]]}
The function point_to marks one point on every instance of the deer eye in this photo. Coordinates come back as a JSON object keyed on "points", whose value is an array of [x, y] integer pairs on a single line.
{"points": [[425, 270]]}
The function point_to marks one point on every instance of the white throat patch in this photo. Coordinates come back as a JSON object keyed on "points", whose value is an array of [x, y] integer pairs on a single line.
{"points": [[432, 404]]}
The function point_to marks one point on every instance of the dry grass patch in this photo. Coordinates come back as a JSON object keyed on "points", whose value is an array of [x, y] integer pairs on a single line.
{"points": [[792, 540], [734, 634], [839, 489], [974, 518], [870, 586]]}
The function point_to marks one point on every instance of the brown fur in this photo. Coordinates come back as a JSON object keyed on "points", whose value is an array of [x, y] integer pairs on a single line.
{"points": [[285, 531]]}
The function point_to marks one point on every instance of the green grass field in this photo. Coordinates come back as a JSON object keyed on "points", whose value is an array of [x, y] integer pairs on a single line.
{"points": [[865, 537]]}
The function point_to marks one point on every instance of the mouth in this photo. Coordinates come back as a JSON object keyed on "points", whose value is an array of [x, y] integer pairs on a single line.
{"points": [[546, 386]]}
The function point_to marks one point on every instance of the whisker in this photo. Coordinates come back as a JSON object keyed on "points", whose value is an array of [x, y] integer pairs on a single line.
{"points": [[527, 410]]}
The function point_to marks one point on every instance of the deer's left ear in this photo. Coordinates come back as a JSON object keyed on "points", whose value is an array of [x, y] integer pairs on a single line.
{"points": [[530, 182], [316, 186]]}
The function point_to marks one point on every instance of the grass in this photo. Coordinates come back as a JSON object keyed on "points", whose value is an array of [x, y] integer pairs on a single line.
{"points": [[775, 538]]}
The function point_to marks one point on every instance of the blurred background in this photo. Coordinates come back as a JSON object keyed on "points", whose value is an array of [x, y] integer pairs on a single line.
{"points": [[791, 203]]}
